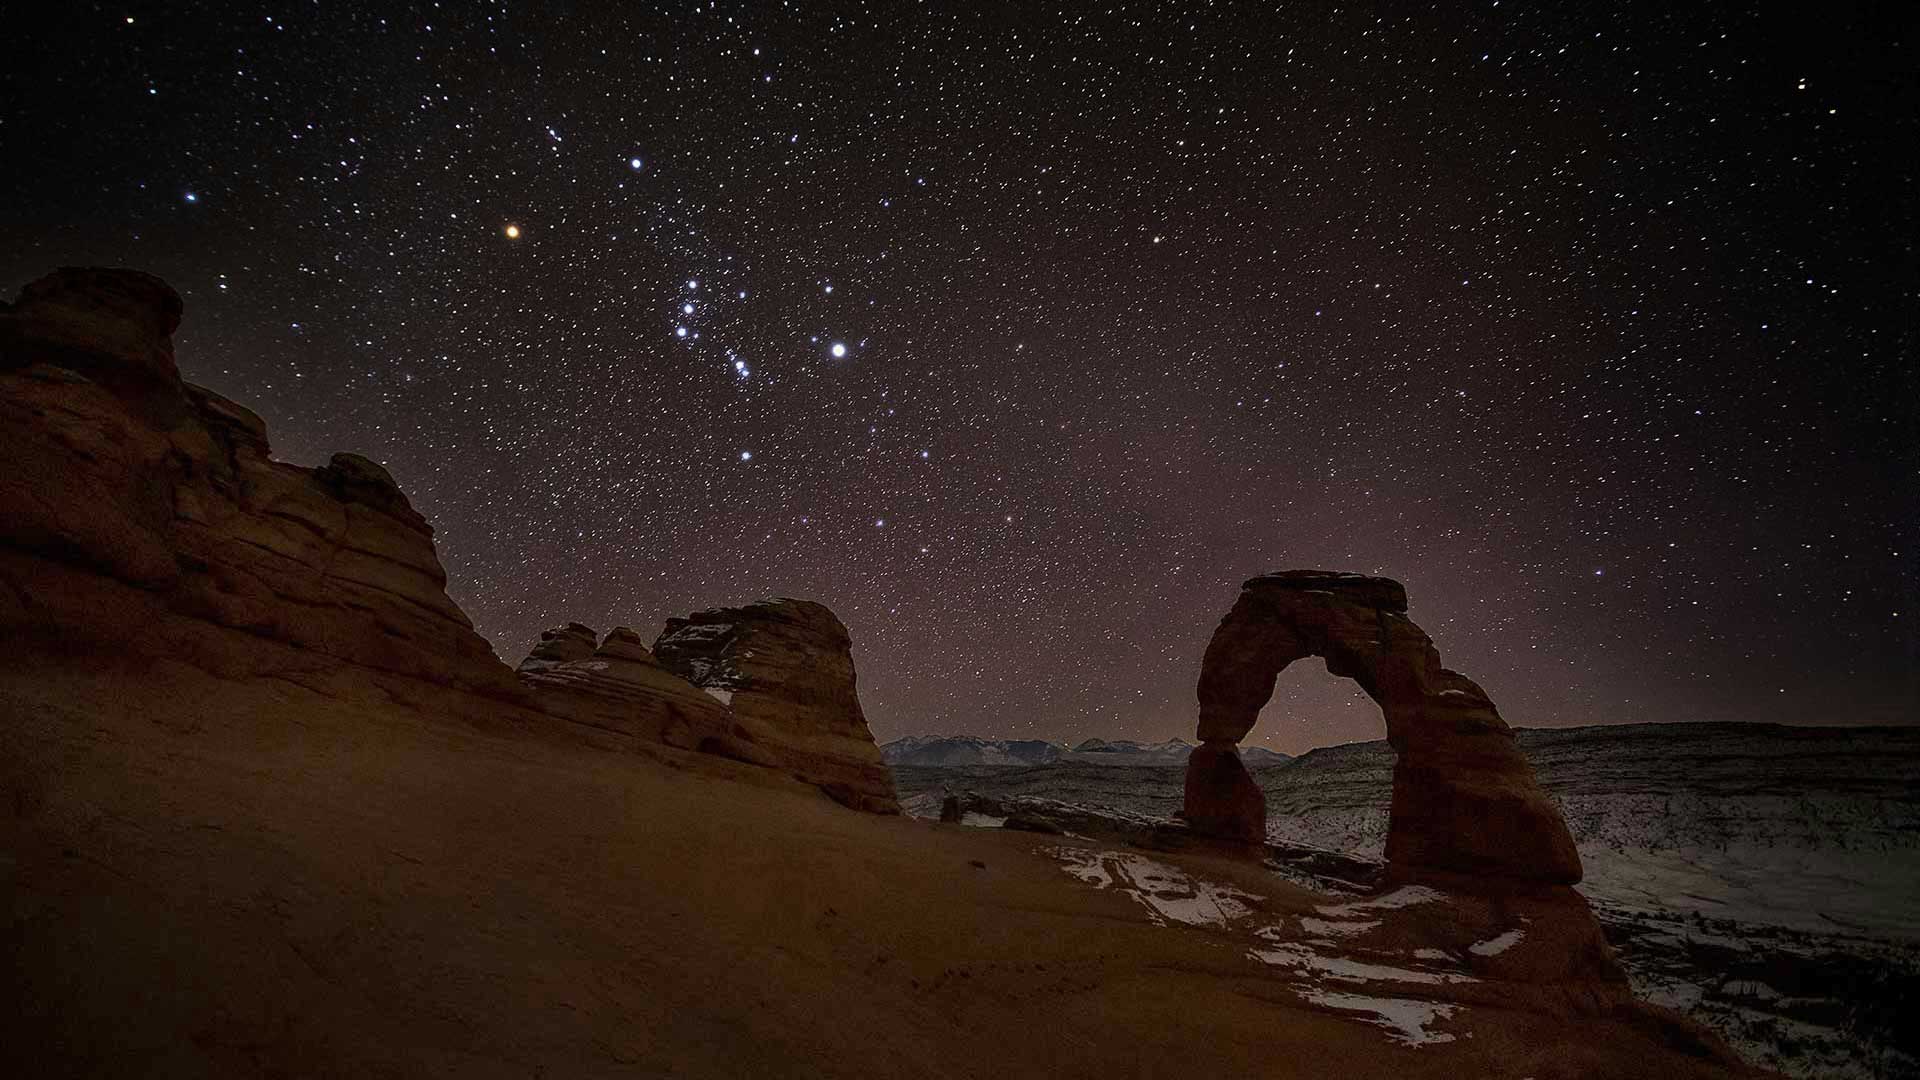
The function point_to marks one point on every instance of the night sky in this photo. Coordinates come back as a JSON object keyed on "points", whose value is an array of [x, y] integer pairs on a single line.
{"points": [[1020, 336]]}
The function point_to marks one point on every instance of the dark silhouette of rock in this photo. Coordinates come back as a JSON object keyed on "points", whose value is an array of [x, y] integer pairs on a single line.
{"points": [[560, 645], [785, 668], [1465, 801], [1221, 798], [115, 327]]}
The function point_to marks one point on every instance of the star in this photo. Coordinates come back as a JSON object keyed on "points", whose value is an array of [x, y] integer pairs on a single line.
{"points": [[839, 349], [513, 232]]}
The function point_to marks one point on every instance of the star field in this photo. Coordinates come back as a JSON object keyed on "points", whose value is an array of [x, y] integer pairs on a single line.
{"points": [[1020, 336]]}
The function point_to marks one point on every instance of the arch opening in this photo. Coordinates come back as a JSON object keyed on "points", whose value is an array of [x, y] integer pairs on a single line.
{"points": [[1464, 798]]}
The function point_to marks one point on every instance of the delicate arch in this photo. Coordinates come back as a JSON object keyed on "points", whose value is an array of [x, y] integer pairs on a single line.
{"points": [[1464, 798]]}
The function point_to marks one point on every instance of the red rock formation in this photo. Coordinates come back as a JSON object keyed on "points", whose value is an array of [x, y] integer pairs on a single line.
{"points": [[132, 499], [1464, 799], [1221, 798], [560, 645], [619, 686], [786, 669], [131, 493]]}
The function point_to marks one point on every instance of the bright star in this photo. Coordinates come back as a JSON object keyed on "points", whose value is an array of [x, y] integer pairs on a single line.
{"points": [[513, 232], [839, 349], [746, 455], [679, 331], [692, 284], [686, 309], [634, 163], [191, 197]]}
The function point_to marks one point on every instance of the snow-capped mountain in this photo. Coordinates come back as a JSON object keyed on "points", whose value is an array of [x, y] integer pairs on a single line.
{"points": [[955, 751], [942, 751]]}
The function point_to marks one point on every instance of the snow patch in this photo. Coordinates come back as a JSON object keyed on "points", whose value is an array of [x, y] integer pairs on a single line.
{"points": [[1296, 955], [721, 694], [1167, 892], [1338, 929], [982, 821], [1405, 896], [1407, 1021], [1496, 946]]}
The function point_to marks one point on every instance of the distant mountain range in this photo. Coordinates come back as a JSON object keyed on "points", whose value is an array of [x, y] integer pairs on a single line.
{"points": [[957, 751]]}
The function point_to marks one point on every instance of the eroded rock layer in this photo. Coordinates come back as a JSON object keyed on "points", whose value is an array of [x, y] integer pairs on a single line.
{"points": [[131, 495], [143, 517], [785, 668], [1465, 801], [618, 685]]}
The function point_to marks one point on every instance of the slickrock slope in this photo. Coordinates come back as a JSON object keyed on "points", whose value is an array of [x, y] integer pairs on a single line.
{"points": [[250, 878], [785, 668]]}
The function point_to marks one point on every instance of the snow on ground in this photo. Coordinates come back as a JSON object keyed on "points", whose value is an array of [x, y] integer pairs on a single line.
{"points": [[1406, 1021], [1496, 945], [1323, 928], [1168, 892], [1404, 896], [1302, 955], [1760, 878]]}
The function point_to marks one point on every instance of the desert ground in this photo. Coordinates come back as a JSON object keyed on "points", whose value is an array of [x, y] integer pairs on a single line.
{"points": [[257, 878]]}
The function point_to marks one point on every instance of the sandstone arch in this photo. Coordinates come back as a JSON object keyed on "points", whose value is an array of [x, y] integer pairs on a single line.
{"points": [[1464, 798]]}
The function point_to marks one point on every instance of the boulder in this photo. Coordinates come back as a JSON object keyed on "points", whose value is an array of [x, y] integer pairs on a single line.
{"points": [[785, 669], [1465, 801]]}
